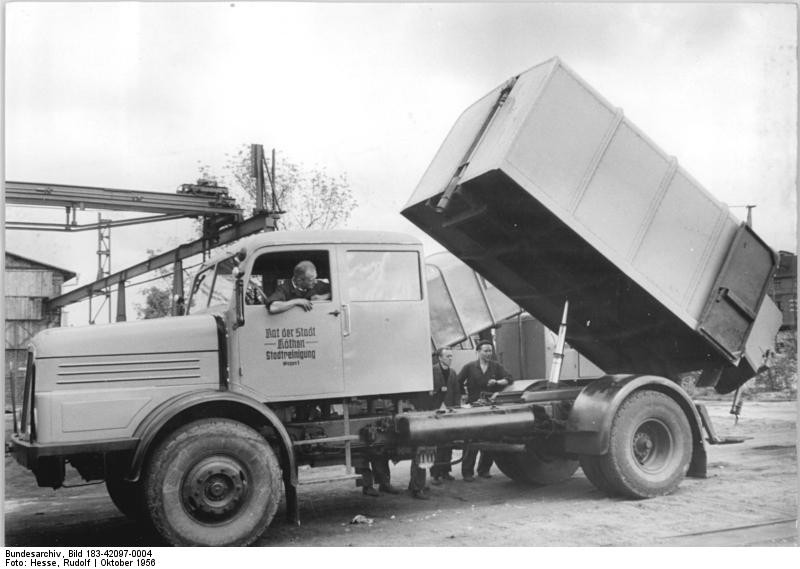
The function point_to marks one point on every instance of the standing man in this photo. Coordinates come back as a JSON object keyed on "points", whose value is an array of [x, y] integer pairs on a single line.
{"points": [[445, 390], [375, 469], [484, 374]]}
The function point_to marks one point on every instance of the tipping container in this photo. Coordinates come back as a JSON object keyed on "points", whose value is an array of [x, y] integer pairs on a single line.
{"points": [[550, 193]]}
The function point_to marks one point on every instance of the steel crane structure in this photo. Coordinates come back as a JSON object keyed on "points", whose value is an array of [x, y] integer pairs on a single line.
{"points": [[223, 222]]}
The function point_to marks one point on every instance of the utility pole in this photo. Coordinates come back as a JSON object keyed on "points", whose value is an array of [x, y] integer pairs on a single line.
{"points": [[749, 221], [103, 264], [263, 172], [749, 215]]}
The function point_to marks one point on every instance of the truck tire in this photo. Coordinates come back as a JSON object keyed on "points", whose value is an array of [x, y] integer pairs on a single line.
{"points": [[650, 447], [127, 497], [535, 468], [214, 482], [594, 472]]}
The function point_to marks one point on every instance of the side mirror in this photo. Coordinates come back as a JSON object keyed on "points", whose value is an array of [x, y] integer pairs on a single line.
{"points": [[238, 275]]}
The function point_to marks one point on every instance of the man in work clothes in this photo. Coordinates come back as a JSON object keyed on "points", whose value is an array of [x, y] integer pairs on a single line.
{"points": [[445, 390], [484, 374], [300, 290], [378, 473]]}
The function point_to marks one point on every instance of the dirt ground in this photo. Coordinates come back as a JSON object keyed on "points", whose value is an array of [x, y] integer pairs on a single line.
{"points": [[750, 498]]}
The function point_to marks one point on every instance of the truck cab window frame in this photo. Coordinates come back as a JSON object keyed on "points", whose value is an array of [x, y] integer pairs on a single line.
{"points": [[272, 268], [213, 286], [383, 276]]}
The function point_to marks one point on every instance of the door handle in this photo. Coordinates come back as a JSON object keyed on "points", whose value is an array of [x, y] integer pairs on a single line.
{"points": [[334, 312], [346, 310]]}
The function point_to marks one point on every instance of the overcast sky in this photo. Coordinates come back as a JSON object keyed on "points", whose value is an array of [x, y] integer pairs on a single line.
{"points": [[135, 95]]}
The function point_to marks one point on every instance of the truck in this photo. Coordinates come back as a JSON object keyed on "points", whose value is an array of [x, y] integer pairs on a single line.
{"points": [[198, 424]]}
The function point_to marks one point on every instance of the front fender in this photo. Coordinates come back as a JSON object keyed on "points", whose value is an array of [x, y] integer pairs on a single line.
{"points": [[152, 425], [184, 407], [588, 428]]}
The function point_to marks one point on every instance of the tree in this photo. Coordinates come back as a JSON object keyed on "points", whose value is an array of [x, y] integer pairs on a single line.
{"points": [[157, 302], [310, 197], [157, 297]]}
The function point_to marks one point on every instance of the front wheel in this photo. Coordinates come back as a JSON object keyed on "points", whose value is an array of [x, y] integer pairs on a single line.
{"points": [[127, 497], [214, 482], [535, 467], [650, 448]]}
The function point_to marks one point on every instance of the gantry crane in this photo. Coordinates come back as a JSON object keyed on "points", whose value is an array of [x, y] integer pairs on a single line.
{"points": [[223, 222]]}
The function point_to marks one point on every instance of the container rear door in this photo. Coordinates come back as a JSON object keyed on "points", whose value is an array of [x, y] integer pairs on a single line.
{"points": [[737, 293]]}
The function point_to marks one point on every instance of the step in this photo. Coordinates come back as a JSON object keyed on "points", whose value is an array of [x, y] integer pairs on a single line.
{"points": [[321, 478]]}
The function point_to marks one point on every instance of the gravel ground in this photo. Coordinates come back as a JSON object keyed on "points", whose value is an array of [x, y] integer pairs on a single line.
{"points": [[748, 499]]}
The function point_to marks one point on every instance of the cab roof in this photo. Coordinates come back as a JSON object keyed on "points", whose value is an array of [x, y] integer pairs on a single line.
{"points": [[314, 237]]}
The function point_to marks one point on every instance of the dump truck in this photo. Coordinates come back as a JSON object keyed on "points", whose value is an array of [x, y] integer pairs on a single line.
{"points": [[198, 424]]}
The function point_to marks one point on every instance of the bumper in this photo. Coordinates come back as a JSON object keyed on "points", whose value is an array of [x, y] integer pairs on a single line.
{"points": [[28, 454]]}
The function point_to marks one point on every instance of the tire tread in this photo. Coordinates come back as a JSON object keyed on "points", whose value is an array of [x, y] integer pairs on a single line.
{"points": [[198, 432]]}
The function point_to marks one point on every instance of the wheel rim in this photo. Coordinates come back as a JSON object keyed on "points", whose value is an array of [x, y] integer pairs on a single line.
{"points": [[215, 489], [652, 446]]}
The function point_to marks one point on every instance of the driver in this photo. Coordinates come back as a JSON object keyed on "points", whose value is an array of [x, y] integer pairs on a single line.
{"points": [[300, 290]]}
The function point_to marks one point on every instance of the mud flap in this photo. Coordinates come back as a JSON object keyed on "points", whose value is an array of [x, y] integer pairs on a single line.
{"points": [[698, 467], [292, 502]]}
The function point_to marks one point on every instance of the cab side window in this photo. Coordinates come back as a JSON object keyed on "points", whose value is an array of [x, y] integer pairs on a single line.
{"points": [[383, 276], [273, 270], [212, 286]]}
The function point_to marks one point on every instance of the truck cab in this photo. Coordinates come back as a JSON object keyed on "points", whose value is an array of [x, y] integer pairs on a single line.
{"points": [[371, 337]]}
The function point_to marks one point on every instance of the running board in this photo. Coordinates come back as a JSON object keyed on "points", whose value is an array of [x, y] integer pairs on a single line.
{"points": [[323, 440], [323, 479]]}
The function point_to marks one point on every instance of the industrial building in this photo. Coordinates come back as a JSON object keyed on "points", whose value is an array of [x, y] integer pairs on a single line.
{"points": [[784, 289], [28, 283]]}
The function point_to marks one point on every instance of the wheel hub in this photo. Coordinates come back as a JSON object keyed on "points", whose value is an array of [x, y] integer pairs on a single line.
{"points": [[214, 489], [642, 446], [652, 446]]}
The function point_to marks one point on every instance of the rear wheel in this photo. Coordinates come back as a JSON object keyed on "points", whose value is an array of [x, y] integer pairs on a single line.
{"points": [[650, 447], [594, 472], [535, 467], [214, 482]]}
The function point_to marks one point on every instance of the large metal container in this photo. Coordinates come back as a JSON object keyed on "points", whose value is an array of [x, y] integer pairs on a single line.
{"points": [[547, 191]]}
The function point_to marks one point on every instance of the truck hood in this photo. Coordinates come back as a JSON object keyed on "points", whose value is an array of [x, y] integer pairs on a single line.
{"points": [[159, 335]]}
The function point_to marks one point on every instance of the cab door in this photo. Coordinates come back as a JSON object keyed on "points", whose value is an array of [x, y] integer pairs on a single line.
{"points": [[386, 333], [296, 354]]}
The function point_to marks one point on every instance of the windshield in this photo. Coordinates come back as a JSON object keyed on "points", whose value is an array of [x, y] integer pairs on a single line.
{"points": [[213, 286]]}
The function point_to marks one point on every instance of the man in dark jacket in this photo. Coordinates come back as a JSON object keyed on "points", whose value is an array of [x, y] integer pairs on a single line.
{"points": [[484, 374], [445, 390]]}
